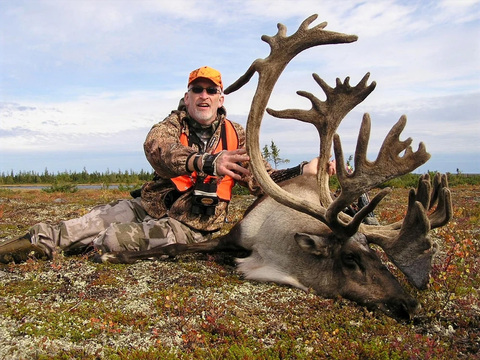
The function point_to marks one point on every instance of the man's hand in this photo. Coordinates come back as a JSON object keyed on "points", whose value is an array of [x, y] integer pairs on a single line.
{"points": [[227, 163], [332, 167], [311, 167]]}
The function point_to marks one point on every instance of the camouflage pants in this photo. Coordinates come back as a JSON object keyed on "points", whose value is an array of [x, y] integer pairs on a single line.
{"points": [[121, 225]]}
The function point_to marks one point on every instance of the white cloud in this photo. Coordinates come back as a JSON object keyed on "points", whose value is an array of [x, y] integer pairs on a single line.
{"points": [[85, 76]]}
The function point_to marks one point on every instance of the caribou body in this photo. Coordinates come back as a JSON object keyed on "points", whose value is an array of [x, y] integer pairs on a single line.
{"points": [[297, 233]]}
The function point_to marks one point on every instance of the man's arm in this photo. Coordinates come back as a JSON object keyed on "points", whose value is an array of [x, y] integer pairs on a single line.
{"points": [[169, 158], [310, 168], [163, 150]]}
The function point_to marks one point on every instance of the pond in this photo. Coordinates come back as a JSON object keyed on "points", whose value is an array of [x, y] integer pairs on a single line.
{"points": [[40, 187]]}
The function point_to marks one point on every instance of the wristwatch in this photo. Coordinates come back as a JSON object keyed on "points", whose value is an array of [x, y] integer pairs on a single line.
{"points": [[302, 164], [209, 164]]}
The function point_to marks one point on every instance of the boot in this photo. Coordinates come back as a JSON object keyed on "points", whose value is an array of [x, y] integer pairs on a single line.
{"points": [[19, 250], [370, 219]]}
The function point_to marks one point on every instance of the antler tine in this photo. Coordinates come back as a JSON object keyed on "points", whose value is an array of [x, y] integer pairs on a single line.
{"points": [[355, 184], [443, 212], [244, 79], [424, 191], [389, 164], [303, 38], [343, 98], [439, 181], [392, 147]]}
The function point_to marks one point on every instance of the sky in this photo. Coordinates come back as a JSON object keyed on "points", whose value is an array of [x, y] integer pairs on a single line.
{"points": [[83, 81]]}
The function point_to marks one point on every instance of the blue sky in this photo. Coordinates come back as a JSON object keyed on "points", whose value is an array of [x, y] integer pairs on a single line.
{"points": [[82, 82]]}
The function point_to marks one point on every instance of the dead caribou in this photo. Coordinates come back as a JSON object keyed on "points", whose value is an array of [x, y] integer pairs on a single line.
{"points": [[307, 241]]}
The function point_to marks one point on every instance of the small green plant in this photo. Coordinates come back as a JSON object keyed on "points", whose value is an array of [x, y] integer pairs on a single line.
{"points": [[64, 188], [129, 187], [240, 190]]}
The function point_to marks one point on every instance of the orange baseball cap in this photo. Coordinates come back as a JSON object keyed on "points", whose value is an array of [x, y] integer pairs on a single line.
{"points": [[206, 72]]}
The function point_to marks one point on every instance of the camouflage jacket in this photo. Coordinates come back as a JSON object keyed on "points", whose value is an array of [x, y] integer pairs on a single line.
{"points": [[168, 158]]}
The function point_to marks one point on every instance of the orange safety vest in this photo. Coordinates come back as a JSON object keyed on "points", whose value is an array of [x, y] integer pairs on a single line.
{"points": [[226, 183]]}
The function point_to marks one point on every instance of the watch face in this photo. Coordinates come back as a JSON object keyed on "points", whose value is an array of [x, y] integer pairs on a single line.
{"points": [[207, 201], [208, 167]]}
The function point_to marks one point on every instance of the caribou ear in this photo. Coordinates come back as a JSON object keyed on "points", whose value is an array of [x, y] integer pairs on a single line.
{"points": [[313, 244]]}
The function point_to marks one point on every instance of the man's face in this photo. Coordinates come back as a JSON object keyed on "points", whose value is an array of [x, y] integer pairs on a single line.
{"points": [[203, 107]]}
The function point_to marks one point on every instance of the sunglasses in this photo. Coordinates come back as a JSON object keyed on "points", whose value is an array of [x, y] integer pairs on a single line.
{"points": [[199, 90]]}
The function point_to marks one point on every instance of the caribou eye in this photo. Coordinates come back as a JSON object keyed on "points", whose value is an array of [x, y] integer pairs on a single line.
{"points": [[349, 260]]}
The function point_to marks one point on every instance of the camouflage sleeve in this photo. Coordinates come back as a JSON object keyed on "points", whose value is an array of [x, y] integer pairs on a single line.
{"points": [[285, 174], [163, 149], [276, 175], [241, 134]]}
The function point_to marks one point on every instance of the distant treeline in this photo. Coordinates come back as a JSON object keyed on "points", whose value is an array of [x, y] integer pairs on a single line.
{"points": [[73, 177], [132, 178]]}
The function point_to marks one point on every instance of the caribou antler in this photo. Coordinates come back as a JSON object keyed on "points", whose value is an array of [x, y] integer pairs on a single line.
{"points": [[283, 49], [406, 242]]}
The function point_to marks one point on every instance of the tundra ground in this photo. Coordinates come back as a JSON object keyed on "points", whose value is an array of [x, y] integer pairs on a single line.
{"points": [[197, 306]]}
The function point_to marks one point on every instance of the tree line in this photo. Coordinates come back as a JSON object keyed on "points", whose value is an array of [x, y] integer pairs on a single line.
{"points": [[74, 177], [135, 178]]}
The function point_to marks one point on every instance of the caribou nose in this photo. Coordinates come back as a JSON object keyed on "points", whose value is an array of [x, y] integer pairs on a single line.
{"points": [[404, 309], [413, 308]]}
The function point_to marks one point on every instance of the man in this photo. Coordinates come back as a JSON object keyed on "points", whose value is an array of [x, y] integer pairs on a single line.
{"points": [[197, 155]]}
